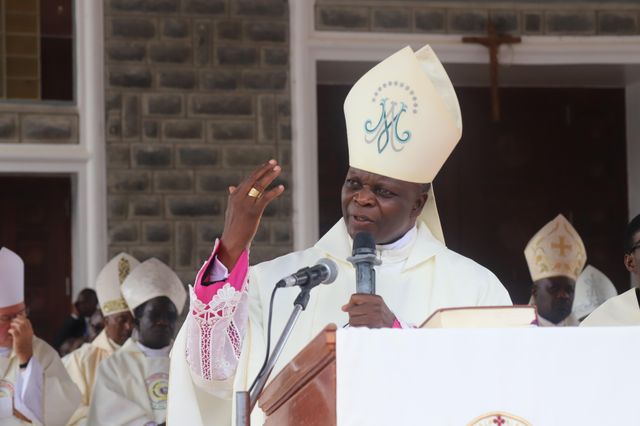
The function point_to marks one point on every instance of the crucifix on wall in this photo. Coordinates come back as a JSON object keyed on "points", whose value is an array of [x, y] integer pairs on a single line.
{"points": [[493, 41]]}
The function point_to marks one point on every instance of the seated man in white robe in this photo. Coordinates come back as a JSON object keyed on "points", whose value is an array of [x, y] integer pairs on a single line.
{"points": [[34, 385], [82, 364], [625, 308], [555, 256], [131, 385], [403, 121]]}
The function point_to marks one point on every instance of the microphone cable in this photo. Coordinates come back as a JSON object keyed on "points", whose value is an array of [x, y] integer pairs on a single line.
{"points": [[266, 357]]}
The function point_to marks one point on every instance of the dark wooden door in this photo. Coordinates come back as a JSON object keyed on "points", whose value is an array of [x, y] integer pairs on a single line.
{"points": [[555, 151], [35, 222]]}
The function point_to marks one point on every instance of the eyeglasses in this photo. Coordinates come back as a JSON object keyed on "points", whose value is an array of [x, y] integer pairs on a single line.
{"points": [[10, 317]]}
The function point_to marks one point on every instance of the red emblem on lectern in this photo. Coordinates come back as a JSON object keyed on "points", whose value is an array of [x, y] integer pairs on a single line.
{"points": [[499, 419]]}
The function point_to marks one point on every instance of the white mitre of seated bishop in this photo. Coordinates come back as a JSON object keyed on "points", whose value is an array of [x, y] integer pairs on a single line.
{"points": [[555, 250], [403, 121], [593, 288], [152, 279], [109, 283], [11, 278]]}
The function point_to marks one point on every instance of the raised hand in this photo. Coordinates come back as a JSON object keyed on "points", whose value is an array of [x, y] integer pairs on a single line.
{"points": [[245, 207], [22, 334]]}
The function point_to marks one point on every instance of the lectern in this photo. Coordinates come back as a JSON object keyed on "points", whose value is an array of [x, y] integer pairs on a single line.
{"points": [[304, 392], [521, 376]]}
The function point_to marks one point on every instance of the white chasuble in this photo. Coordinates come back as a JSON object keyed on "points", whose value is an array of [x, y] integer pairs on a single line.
{"points": [[414, 282], [617, 311], [130, 388], [82, 365], [57, 398]]}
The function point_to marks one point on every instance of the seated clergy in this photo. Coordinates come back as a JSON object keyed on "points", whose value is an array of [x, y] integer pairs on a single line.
{"points": [[82, 364], [625, 308], [131, 385], [403, 121], [555, 256], [34, 385], [77, 328]]}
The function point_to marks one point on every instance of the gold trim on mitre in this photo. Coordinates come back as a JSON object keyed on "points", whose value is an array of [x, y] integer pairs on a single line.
{"points": [[114, 306], [499, 418], [109, 283], [556, 250], [123, 269]]}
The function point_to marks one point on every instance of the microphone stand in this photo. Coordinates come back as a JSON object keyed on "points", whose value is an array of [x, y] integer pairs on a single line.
{"points": [[245, 401]]}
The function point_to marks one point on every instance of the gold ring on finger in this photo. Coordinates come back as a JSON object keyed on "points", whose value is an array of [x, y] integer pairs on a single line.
{"points": [[255, 193]]}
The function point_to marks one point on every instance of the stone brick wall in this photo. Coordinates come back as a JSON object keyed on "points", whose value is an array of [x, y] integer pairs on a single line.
{"points": [[38, 123], [533, 17], [197, 94]]}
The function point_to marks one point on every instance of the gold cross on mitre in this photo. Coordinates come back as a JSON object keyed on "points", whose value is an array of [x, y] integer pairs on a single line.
{"points": [[556, 249], [561, 246], [493, 41]]}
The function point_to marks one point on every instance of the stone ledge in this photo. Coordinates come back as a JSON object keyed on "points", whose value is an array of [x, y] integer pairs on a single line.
{"points": [[532, 17]]}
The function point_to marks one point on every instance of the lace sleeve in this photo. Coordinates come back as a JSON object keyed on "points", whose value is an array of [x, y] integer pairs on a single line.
{"points": [[217, 322]]}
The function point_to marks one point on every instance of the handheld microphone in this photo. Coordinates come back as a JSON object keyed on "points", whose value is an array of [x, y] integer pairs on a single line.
{"points": [[363, 257], [324, 272]]}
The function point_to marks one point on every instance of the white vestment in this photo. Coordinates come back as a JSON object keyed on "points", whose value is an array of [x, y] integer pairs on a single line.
{"points": [[82, 365], [57, 395], [413, 281], [616, 311], [131, 388]]}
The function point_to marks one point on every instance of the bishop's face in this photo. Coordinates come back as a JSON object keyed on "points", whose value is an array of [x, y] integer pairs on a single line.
{"points": [[632, 259], [119, 326], [385, 207], [553, 297], [156, 322]]}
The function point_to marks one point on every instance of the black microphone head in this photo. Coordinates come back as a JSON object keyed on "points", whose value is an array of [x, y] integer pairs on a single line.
{"points": [[363, 243], [332, 267]]}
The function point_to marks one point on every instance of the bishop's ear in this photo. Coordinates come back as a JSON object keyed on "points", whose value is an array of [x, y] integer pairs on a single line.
{"points": [[630, 263], [421, 201]]}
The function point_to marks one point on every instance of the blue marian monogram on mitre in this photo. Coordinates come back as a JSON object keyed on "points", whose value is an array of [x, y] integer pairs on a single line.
{"points": [[386, 131]]}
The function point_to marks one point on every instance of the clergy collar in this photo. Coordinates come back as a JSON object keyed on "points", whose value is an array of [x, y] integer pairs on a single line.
{"points": [[337, 244], [154, 353], [402, 242]]}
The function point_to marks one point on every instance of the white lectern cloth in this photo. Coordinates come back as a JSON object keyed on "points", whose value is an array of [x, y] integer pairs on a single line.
{"points": [[547, 376]]}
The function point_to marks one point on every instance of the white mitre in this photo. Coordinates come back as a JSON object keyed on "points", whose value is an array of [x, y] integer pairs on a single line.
{"points": [[152, 279], [403, 121], [109, 283], [11, 278], [593, 288], [555, 250]]}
